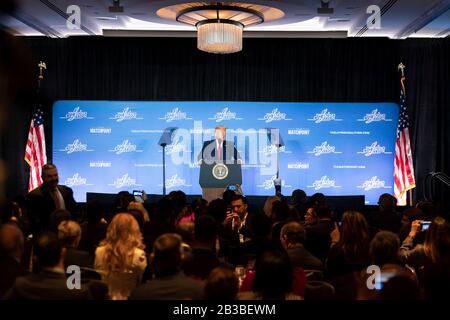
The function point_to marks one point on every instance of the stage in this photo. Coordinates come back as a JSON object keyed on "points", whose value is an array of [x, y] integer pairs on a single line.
{"points": [[339, 204]]}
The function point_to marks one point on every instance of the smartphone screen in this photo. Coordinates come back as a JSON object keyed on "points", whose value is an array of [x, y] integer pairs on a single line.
{"points": [[384, 277], [425, 225], [138, 196]]}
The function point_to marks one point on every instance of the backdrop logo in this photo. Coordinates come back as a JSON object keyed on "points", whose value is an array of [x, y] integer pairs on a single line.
{"points": [[268, 184], [324, 183], [175, 182], [271, 149], [324, 148], [176, 148], [298, 132], [298, 165], [175, 115], [76, 146], [225, 115], [126, 114], [125, 147], [374, 183], [274, 115], [374, 116], [76, 114], [124, 181], [76, 180], [374, 148], [324, 116]]}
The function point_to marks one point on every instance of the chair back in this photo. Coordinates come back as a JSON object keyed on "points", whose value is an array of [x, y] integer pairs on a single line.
{"points": [[319, 290], [314, 274], [121, 284]]}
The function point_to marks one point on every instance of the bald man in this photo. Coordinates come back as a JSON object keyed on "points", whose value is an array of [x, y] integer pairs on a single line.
{"points": [[11, 251]]}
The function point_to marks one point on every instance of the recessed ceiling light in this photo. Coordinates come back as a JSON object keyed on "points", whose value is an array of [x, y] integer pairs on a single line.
{"points": [[106, 18]]}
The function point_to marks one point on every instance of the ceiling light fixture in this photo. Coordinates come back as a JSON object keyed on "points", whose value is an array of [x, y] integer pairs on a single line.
{"points": [[219, 25]]}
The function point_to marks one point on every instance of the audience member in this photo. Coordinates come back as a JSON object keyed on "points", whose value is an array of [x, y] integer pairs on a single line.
{"points": [[273, 278], [292, 238], [351, 253], [228, 196], [237, 220], [279, 216], [318, 236], [228, 240], [169, 282], [221, 285], [268, 205], [199, 263], [11, 251], [437, 239], [317, 199], [386, 218], [47, 198], [310, 217], [259, 241], [69, 233], [94, 230], [121, 258], [123, 199], [51, 282], [298, 203], [408, 216], [384, 248], [186, 231]]}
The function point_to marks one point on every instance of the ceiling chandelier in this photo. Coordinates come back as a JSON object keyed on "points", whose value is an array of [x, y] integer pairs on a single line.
{"points": [[220, 25]]}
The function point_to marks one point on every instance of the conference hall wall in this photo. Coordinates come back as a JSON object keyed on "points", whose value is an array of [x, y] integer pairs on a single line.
{"points": [[362, 70]]}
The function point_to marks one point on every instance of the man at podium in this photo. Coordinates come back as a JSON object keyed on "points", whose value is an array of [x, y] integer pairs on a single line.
{"points": [[220, 165]]}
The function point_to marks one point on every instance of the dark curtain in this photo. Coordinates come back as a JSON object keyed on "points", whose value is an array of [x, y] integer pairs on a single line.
{"points": [[334, 70]]}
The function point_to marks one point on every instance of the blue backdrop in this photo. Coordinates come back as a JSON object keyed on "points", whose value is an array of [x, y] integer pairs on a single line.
{"points": [[333, 148]]}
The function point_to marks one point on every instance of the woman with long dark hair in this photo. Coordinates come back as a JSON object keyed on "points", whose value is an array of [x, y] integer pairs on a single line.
{"points": [[351, 252]]}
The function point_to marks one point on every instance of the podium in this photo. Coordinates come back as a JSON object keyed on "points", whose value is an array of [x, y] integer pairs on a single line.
{"points": [[215, 177]]}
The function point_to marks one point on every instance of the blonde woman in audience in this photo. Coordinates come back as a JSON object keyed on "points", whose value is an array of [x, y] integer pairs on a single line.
{"points": [[121, 258]]}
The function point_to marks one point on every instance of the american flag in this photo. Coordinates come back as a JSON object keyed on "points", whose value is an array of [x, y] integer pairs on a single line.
{"points": [[403, 166], [35, 154]]}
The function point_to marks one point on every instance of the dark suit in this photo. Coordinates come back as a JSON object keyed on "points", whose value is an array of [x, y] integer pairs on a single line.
{"points": [[228, 151], [199, 263], [10, 269], [318, 239], [388, 220], [300, 257], [77, 257], [46, 285], [174, 287], [41, 205]]}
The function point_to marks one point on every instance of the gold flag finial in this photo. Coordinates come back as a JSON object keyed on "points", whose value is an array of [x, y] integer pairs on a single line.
{"points": [[401, 68], [41, 66]]}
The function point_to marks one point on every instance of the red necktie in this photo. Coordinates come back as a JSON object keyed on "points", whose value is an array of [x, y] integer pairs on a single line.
{"points": [[218, 152]]}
